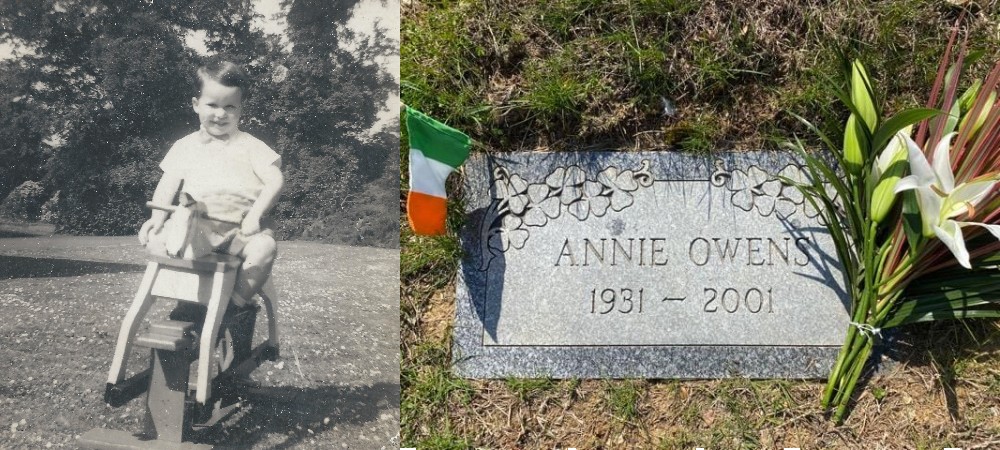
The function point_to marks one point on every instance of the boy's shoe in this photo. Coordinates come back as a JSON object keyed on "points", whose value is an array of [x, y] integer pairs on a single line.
{"points": [[238, 300]]}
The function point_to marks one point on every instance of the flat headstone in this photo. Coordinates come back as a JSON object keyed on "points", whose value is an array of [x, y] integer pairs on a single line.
{"points": [[649, 264]]}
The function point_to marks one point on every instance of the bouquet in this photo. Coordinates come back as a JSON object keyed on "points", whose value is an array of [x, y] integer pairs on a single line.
{"points": [[918, 223]]}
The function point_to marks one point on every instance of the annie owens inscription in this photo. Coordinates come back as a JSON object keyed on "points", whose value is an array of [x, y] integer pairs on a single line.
{"points": [[645, 250]]}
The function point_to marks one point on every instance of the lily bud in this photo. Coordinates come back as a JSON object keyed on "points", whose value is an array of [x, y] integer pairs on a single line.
{"points": [[981, 118], [888, 170], [854, 158], [861, 96]]}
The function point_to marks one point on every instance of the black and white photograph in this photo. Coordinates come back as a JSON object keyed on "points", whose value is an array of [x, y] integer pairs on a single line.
{"points": [[199, 236]]}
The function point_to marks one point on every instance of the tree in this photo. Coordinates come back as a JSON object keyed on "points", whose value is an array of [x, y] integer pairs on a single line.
{"points": [[107, 86]]}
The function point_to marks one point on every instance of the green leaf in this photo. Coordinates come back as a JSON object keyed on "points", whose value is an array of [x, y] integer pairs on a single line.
{"points": [[981, 118], [899, 121], [952, 119], [944, 315], [912, 224], [826, 140], [969, 96]]}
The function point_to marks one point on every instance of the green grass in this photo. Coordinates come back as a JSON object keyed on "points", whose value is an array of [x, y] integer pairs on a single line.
{"points": [[622, 399], [528, 388], [444, 440], [432, 263], [430, 388]]}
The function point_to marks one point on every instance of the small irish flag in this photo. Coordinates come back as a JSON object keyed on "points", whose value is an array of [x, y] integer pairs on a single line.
{"points": [[435, 151]]}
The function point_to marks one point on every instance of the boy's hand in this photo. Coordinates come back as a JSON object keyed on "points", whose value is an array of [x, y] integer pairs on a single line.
{"points": [[250, 225], [154, 225]]}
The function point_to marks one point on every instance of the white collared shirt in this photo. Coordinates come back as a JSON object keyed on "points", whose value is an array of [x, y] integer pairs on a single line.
{"points": [[222, 173]]}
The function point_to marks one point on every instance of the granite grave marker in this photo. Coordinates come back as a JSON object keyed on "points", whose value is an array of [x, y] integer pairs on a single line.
{"points": [[649, 264]]}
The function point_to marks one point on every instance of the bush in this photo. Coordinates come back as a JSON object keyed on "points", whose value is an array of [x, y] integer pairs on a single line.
{"points": [[49, 212], [24, 202]]}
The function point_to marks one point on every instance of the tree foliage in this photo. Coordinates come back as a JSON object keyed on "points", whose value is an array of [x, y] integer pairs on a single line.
{"points": [[106, 87]]}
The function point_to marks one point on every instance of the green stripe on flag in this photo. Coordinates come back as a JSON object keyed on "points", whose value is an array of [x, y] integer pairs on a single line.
{"points": [[436, 140]]}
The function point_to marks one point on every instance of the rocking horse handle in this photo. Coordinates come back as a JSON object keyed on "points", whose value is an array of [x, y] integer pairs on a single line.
{"points": [[167, 208], [173, 208]]}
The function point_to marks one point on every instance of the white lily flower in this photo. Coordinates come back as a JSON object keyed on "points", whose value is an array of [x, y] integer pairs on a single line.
{"points": [[940, 200]]}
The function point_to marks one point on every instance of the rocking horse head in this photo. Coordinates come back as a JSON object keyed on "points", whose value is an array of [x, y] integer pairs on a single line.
{"points": [[182, 236]]}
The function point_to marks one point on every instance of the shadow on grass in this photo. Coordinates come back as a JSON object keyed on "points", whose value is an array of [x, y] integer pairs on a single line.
{"points": [[293, 412], [14, 234], [27, 267], [946, 346]]}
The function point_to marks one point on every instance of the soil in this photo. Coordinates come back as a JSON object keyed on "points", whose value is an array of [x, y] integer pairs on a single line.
{"points": [[335, 386]]}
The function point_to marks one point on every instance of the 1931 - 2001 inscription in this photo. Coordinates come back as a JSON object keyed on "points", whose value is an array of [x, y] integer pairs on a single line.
{"points": [[645, 250]]}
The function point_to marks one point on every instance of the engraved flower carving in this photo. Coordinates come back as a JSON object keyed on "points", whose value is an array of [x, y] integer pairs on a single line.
{"points": [[510, 234], [514, 191], [754, 189], [791, 197], [544, 205], [792, 194], [592, 200], [620, 185], [569, 183]]}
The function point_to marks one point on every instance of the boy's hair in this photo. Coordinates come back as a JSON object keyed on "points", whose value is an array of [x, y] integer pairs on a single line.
{"points": [[226, 73]]}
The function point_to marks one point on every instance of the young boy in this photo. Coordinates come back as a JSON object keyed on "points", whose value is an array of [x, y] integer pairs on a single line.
{"points": [[235, 175]]}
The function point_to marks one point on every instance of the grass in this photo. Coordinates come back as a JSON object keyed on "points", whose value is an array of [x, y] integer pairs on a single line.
{"points": [[569, 75], [529, 388], [622, 399]]}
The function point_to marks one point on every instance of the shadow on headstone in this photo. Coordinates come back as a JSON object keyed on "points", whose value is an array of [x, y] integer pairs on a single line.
{"points": [[487, 273]]}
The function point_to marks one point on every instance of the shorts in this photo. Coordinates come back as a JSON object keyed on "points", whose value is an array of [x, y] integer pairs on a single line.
{"points": [[225, 237]]}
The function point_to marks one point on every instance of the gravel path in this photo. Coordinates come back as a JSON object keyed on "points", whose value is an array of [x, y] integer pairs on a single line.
{"points": [[336, 386]]}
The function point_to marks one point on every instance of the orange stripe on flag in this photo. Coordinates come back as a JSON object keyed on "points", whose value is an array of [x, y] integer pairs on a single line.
{"points": [[426, 213]]}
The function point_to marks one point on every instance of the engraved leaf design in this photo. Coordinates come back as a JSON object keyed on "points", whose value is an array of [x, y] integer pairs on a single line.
{"points": [[518, 200], [792, 194], [598, 203], [550, 207], [511, 232], [784, 208], [809, 210], [500, 190], [621, 200], [743, 198], [542, 207], [764, 204], [572, 185], [535, 217], [516, 238], [555, 179], [574, 176], [757, 176], [626, 181], [795, 173], [739, 181], [620, 185], [579, 209], [537, 193]]}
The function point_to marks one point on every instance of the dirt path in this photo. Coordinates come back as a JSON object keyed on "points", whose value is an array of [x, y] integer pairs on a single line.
{"points": [[336, 386]]}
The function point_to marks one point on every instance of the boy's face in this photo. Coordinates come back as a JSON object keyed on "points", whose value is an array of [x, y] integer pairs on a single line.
{"points": [[218, 107]]}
